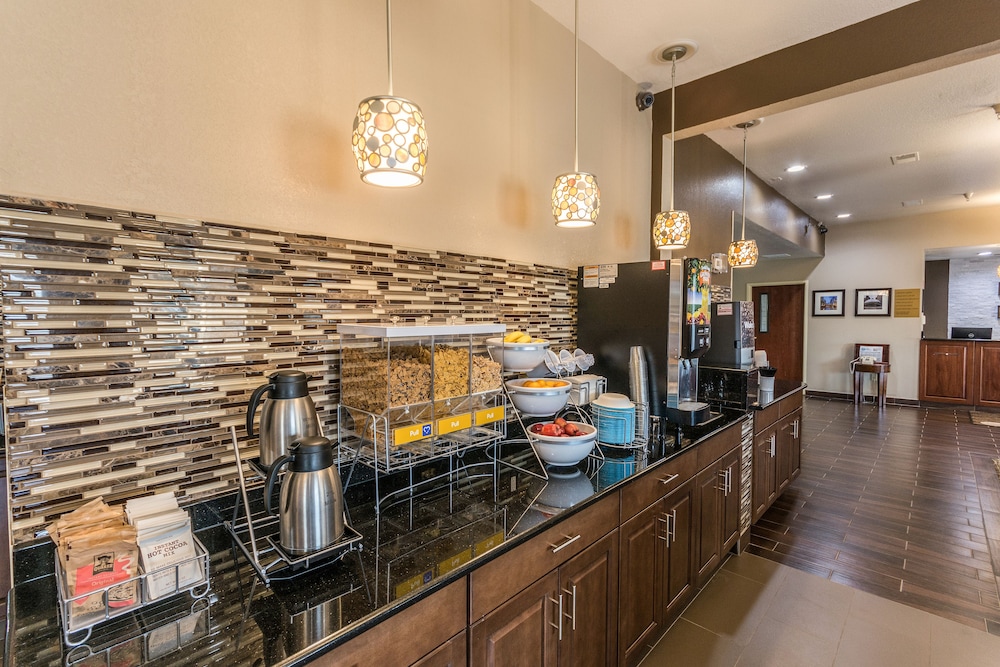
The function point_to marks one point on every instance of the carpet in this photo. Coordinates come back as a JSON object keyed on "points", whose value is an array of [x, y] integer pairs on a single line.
{"points": [[985, 418]]}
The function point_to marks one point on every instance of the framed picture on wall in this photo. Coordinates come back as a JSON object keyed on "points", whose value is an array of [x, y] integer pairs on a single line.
{"points": [[873, 301], [828, 302]]}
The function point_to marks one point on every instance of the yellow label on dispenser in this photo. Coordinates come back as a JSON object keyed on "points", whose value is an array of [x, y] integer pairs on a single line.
{"points": [[404, 434], [449, 564], [413, 583], [453, 423], [494, 540], [489, 415]]}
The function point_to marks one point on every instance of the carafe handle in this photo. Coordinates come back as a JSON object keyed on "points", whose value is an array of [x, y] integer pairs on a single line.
{"points": [[252, 405], [272, 475]]}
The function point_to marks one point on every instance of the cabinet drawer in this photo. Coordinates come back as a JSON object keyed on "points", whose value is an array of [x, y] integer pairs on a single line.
{"points": [[656, 483], [381, 644], [789, 404], [718, 446], [503, 577], [764, 418]]}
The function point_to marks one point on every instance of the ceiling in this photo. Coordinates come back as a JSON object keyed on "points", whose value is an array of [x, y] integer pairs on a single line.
{"points": [[846, 142]]}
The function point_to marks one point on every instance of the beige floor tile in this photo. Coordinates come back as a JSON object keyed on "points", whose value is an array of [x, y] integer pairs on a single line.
{"points": [[776, 643], [824, 619], [688, 644], [881, 613], [886, 644], [731, 606], [957, 644], [756, 568]]}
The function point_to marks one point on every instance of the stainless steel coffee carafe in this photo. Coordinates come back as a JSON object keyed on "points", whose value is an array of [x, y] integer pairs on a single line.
{"points": [[311, 504], [287, 415]]}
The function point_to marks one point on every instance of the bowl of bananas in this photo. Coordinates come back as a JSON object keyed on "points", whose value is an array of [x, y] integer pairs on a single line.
{"points": [[518, 351]]}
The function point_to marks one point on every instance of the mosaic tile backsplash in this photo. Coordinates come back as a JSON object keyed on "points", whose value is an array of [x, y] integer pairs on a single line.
{"points": [[132, 341]]}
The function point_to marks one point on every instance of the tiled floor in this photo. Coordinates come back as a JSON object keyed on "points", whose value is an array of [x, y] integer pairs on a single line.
{"points": [[888, 503], [878, 554], [758, 612]]}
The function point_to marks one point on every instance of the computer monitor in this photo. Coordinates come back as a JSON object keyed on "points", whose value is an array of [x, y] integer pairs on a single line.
{"points": [[975, 333]]}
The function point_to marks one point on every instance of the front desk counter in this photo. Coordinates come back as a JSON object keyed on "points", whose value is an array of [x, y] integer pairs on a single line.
{"points": [[415, 547]]}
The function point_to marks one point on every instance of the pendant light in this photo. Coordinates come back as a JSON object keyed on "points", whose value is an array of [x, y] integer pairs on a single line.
{"points": [[743, 253], [672, 229], [576, 198], [390, 140]]}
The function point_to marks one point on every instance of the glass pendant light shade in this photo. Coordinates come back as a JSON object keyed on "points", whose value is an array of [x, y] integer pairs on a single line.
{"points": [[390, 142], [743, 253], [576, 200], [671, 230]]}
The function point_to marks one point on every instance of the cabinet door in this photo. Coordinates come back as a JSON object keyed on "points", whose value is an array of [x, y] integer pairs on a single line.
{"points": [[763, 472], [641, 583], [709, 486], [795, 446], [450, 654], [589, 586], [678, 509], [731, 500], [988, 374], [783, 471], [947, 371], [522, 631]]}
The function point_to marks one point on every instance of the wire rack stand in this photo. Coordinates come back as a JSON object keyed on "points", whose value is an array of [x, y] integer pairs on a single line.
{"points": [[254, 535]]}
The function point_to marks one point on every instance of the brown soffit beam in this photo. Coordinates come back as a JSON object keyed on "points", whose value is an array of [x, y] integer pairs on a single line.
{"points": [[914, 39]]}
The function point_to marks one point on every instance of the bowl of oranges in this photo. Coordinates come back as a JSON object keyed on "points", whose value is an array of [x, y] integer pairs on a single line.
{"points": [[538, 397]]}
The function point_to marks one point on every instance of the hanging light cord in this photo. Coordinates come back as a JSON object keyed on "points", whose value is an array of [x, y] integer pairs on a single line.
{"points": [[576, 86], [388, 39], [673, 88], [743, 233]]}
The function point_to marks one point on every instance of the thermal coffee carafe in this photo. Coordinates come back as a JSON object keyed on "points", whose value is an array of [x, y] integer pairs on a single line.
{"points": [[311, 506], [288, 414]]}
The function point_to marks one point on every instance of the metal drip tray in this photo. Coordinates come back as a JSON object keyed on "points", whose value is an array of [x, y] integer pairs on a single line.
{"points": [[689, 413]]}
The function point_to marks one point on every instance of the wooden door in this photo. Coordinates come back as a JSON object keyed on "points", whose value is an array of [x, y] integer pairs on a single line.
{"points": [[522, 631], [708, 544], [988, 374], [763, 487], [731, 500], [679, 506], [641, 583], [947, 370], [783, 470], [779, 317], [589, 585]]}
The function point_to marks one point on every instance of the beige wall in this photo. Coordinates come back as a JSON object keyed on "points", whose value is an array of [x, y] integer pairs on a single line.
{"points": [[873, 255], [241, 111]]}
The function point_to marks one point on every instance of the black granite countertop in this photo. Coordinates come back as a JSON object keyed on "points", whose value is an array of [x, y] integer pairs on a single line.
{"points": [[414, 546]]}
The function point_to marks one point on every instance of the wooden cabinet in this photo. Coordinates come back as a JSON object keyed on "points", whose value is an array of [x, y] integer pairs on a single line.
{"points": [[655, 579], [450, 654], [777, 452], [987, 374], [718, 491], [382, 644], [946, 371], [565, 618]]}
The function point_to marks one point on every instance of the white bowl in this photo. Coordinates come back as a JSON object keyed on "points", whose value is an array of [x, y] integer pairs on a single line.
{"points": [[517, 357], [565, 451], [538, 401]]}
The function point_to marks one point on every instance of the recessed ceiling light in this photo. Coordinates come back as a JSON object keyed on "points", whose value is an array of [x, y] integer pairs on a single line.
{"points": [[823, 196], [843, 215], [795, 168], [984, 253]]}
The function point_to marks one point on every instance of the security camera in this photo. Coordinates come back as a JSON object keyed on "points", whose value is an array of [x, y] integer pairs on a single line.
{"points": [[644, 99], [822, 228]]}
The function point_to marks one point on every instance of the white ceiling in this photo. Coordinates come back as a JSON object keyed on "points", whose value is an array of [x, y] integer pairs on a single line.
{"points": [[846, 142]]}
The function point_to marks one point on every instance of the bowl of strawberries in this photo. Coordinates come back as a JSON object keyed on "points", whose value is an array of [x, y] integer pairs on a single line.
{"points": [[561, 442]]}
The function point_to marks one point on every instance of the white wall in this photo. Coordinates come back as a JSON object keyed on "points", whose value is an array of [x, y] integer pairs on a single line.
{"points": [[882, 254], [241, 110]]}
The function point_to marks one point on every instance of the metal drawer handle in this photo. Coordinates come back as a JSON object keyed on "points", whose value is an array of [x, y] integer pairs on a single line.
{"points": [[559, 614], [773, 439], [667, 480], [572, 614], [665, 521], [795, 428], [569, 541], [673, 526]]}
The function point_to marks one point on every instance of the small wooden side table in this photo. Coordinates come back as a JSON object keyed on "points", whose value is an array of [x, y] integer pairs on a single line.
{"points": [[879, 369]]}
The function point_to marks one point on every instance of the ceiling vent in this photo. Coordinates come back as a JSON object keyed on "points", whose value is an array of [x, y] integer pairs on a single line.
{"points": [[913, 202], [904, 158]]}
